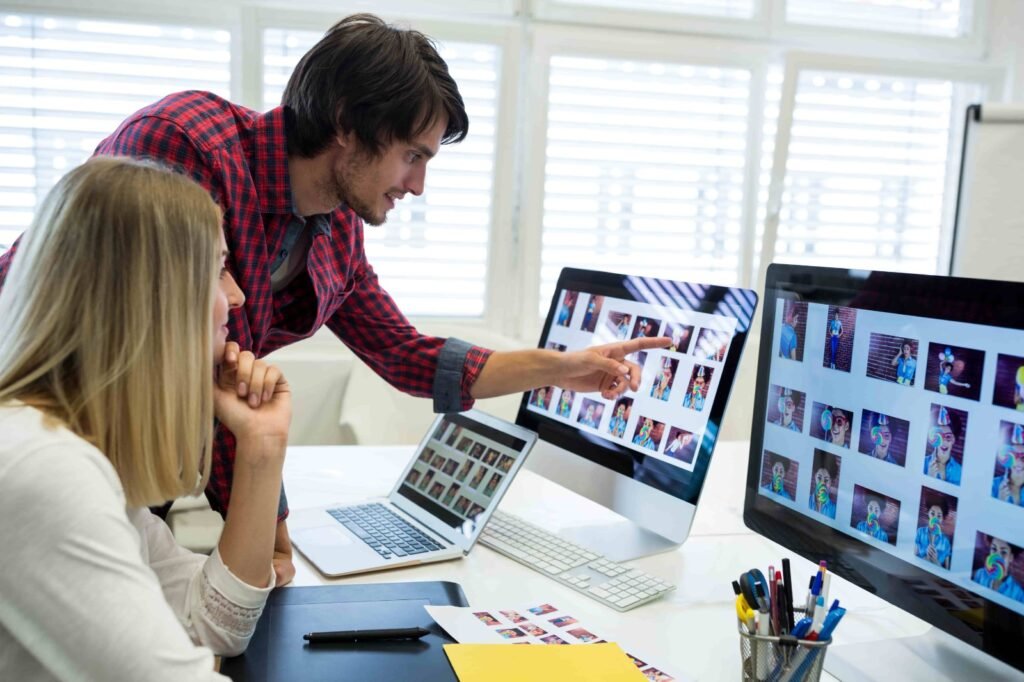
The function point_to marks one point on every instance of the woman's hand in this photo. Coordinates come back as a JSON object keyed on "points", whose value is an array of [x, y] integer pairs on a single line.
{"points": [[251, 398]]}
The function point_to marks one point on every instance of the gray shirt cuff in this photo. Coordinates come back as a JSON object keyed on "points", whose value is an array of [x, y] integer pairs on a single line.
{"points": [[448, 378]]}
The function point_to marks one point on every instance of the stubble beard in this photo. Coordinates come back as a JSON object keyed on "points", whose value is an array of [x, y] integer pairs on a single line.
{"points": [[340, 189]]}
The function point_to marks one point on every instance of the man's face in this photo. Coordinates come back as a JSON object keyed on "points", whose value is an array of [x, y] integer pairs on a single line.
{"points": [[874, 508], [788, 408], [839, 426], [1001, 548], [884, 438], [778, 470], [822, 477], [945, 448], [372, 185], [935, 512]]}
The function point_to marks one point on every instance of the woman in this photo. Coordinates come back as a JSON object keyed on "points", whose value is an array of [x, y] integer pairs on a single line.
{"points": [[111, 322]]}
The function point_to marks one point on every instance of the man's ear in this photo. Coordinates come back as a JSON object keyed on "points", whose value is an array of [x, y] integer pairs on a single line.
{"points": [[345, 141]]}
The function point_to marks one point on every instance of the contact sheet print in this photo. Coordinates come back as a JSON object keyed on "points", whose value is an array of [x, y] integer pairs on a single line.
{"points": [[540, 623], [905, 432]]}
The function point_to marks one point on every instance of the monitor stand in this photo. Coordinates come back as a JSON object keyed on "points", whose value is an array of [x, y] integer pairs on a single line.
{"points": [[933, 656], [618, 541]]}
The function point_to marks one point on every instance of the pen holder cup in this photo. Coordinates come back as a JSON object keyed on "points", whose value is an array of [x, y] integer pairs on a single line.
{"points": [[780, 659]]}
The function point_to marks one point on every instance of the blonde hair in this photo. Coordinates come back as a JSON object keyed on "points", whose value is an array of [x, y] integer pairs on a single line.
{"points": [[106, 320]]}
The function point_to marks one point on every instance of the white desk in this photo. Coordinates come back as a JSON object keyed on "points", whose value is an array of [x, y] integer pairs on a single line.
{"points": [[691, 632]]}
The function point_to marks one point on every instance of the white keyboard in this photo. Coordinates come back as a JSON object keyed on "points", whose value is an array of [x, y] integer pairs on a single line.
{"points": [[609, 582]]}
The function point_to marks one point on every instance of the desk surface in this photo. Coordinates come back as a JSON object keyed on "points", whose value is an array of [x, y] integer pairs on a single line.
{"points": [[691, 632]]}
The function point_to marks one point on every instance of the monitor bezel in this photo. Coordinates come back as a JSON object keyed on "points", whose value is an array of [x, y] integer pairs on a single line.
{"points": [[621, 460], [900, 582]]}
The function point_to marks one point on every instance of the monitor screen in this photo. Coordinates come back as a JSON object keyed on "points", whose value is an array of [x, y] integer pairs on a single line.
{"points": [[663, 434], [889, 436]]}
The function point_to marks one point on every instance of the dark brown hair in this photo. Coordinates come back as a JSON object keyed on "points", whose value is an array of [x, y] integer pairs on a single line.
{"points": [[381, 82]]}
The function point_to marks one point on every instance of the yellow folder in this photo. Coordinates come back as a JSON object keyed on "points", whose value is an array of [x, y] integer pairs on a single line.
{"points": [[528, 663]]}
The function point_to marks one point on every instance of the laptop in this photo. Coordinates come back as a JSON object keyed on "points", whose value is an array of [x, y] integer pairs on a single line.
{"points": [[437, 508]]}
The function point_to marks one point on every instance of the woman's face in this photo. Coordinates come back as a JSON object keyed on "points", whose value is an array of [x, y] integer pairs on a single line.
{"points": [[839, 427], [884, 438], [227, 297], [788, 408], [906, 350], [935, 512], [822, 477], [1017, 471], [874, 508], [778, 470]]}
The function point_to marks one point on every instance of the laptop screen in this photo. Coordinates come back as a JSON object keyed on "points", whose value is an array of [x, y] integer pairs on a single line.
{"points": [[463, 467], [889, 433]]}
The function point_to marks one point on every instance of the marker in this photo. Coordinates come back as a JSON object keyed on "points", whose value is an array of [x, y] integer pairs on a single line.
{"points": [[787, 581]]}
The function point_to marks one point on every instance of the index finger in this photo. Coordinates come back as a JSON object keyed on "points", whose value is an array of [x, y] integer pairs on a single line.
{"points": [[644, 343]]}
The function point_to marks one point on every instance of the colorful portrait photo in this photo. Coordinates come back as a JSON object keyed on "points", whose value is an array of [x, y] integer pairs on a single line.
{"points": [[681, 444], [944, 452], [697, 390], [824, 483], [1008, 476], [681, 335], [661, 388], [1009, 386], [591, 412], [936, 525], [875, 514], [892, 358], [646, 327], [564, 407], [648, 433], [541, 397], [954, 370], [839, 331], [998, 566], [792, 330], [779, 475], [619, 325], [565, 308], [620, 415], [591, 313], [786, 408], [831, 424], [712, 344], [883, 437]]}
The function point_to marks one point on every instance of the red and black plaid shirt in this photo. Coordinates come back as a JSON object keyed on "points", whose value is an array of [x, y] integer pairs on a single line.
{"points": [[240, 156]]}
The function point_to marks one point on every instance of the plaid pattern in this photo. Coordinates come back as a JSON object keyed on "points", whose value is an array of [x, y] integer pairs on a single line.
{"points": [[240, 156]]}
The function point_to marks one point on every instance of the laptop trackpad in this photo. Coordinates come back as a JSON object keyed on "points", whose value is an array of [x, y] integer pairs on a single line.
{"points": [[323, 536]]}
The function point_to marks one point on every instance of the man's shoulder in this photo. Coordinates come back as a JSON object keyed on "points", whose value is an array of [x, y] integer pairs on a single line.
{"points": [[207, 119]]}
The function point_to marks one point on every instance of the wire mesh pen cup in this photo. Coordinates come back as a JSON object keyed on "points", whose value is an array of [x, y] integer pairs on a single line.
{"points": [[766, 658]]}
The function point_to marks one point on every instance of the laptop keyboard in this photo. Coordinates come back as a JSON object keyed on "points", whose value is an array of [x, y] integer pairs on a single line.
{"points": [[609, 582], [384, 531]]}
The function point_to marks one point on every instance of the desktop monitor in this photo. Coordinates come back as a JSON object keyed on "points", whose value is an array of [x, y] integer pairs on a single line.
{"points": [[645, 454], [888, 439]]}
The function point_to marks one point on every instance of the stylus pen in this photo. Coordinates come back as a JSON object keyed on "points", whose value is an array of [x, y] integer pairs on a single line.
{"points": [[364, 635]]}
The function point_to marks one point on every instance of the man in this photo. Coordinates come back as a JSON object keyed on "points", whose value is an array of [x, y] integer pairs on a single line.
{"points": [[363, 112], [787, 411], [939, 463], [820, 499], [777, 483], [881, 439], [996, 574], [788, 340], [838, 431], [835, 332], [1009, 487], [930, 542], [905, 364]]}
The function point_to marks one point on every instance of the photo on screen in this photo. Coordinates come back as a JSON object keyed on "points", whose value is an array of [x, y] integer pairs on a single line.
{"points": [[883, 437], [681, 444], [620, 415], [462, 506], [565, 401], [474, 511], [565, 308], [839, 330], [619, 324], [449, 496], [453, 436], [474, 482], [831, 424], [786, 408], [492, 484], [944, 452], [491, 458], [936, 526], [793, 330], [477, 451], [892, 358], [648, 433], [661, 388], [426, 455], [413, 477], [505, 463], [450, 466], [591, 412], [1008, 475], [954, 370], [646, 327], [560, 347], [875, 514], [1009, 388], [465, 443], [441, 428], [436, 490], [638, 358], [592, 312], [998, 566], [779, 474], [681, 335], [437, 462], [427, 478], [464, 470], [712, 344], [697, 389], [824, 483], [541, 397]]}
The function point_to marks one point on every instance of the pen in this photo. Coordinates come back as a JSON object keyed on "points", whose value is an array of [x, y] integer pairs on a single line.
{"points": [[787, 581], [365, 635]]}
